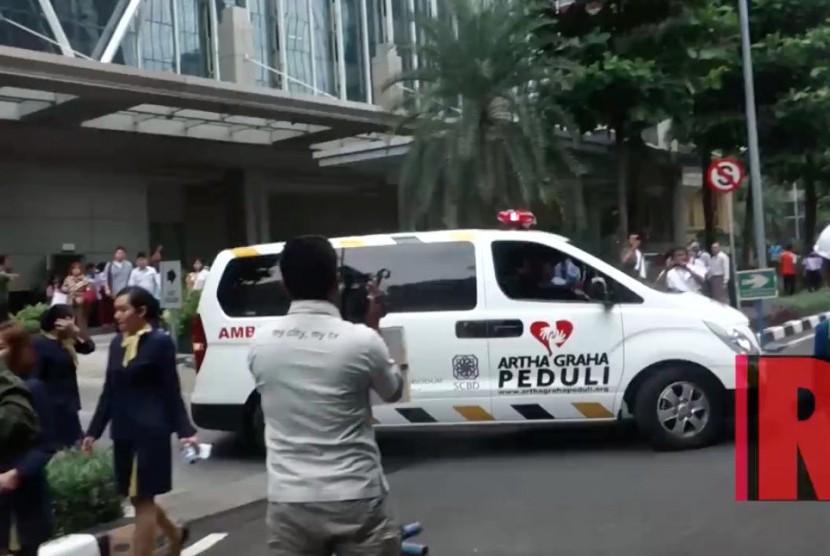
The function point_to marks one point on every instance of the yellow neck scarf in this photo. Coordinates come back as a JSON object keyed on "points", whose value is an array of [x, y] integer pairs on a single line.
{"points": [[130, 344], [68, 345]]}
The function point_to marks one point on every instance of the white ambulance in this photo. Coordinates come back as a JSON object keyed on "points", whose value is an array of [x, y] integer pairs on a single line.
{"points": [[487, 345]]}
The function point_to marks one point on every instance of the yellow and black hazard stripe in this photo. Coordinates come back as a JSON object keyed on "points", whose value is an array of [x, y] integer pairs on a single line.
{"points": [[478, 414], [588, 410]]}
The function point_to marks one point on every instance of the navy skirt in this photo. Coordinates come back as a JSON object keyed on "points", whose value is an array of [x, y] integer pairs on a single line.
{"points": [[143, 468]]}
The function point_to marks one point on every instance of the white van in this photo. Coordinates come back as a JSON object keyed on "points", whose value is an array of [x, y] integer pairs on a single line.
{"points": [[485, 346]]}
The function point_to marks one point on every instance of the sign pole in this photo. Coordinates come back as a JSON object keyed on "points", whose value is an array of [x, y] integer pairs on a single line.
{"points": [[754, 156], [733, 253], [172, 295], [174, 325]]}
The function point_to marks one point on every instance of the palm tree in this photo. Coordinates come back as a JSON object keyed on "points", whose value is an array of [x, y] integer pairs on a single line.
{"points": [[479, 137]]}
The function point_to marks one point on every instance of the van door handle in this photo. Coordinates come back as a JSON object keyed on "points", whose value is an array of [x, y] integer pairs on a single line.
{"points": [[506, 329], [470, 329]]}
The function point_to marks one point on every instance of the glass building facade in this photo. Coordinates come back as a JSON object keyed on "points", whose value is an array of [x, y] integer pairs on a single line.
{"points": [[322, 47]]}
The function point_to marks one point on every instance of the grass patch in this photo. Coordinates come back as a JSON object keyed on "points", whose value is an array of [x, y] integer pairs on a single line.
{"points": [[806, 303], [803, 304]]}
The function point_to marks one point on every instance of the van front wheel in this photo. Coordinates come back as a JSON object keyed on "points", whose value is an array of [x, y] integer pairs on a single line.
{"points": [[680, 409]]}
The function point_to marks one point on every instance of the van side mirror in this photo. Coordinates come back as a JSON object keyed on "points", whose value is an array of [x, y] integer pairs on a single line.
{"points": [[598, 291]]}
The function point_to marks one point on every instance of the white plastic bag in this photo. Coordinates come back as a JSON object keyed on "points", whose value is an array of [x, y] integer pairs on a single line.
{"points": [[59, 298]]}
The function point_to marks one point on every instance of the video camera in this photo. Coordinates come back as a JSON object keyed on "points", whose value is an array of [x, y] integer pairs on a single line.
{"points": [[354, 296]]}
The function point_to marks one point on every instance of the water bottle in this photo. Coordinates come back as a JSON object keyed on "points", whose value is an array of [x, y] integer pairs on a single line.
{"points": [[190, 454]]}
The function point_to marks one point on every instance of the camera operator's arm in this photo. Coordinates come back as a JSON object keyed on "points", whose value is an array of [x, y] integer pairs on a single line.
{"points": [[386, 379], [384, 375]]}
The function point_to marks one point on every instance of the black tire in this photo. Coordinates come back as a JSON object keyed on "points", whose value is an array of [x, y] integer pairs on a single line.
{"points": [[253, 429], [646, 409]]}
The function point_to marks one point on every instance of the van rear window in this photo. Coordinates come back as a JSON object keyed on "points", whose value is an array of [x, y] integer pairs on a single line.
{"points": [[252, 287], [422, 277]]}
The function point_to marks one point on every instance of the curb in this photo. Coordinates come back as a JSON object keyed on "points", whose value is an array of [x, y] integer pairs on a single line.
{"points": [[109, 542], [793, 327]]}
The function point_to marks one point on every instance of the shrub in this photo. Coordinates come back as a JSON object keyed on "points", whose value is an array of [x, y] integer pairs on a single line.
{"points": [[185, 315], [29, 317], [83, 491]]}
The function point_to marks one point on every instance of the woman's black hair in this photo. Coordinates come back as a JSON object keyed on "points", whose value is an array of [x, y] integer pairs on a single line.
{"points": [[54, 314], [141, 298]]}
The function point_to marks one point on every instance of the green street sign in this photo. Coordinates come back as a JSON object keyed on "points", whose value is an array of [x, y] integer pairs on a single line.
{"points": [[757, 284]]}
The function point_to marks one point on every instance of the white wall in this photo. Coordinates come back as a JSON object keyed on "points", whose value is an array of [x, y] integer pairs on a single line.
{"points": [[42, 209]]}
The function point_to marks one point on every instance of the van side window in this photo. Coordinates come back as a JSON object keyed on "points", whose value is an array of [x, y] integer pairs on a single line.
{"points": [[535, 272], [252, 287], [423, 277]]}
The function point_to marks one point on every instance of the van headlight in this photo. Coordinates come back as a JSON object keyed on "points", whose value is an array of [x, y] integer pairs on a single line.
{"points": [[740, 341]]}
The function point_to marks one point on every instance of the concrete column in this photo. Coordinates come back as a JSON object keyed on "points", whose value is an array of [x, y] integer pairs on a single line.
{"points": [[236, 41], [252, 199], [233, 201], [264, 220], [386, 64]]}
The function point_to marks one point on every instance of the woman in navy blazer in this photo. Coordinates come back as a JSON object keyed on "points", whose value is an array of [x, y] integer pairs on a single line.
{"points": [[25, 504], [57, 348], [142, 403]]}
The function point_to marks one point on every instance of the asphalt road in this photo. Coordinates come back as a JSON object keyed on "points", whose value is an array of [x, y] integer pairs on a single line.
{"points": [[552, 491]]}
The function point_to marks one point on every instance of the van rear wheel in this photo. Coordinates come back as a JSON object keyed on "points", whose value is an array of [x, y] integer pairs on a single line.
{"points": [[680, 409], [253, 429]]}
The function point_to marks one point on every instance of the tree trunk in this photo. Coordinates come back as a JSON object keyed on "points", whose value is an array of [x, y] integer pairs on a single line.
{"points": [[579, 214], [708, 200], [622, 155], [679, 212], [810, 210]]}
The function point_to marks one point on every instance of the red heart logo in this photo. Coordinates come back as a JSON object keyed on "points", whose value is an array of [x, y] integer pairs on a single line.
{"points": [[539, 330], [565, 328], [546, 334]]}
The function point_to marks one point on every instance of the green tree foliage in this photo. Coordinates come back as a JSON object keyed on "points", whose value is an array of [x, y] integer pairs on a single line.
{"points": [[636, 56], [798, 134], [479, 139], [789, 48]]}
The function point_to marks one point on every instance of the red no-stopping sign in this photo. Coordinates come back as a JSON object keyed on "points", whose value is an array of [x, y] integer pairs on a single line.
{"points": [[725, 175]]}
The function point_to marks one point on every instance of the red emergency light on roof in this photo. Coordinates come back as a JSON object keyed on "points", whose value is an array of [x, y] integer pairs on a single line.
{"points": [[517, 218]]}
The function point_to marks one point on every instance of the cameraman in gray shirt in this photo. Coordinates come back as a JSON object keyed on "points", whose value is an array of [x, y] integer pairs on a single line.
{"points": [[314, 372]]}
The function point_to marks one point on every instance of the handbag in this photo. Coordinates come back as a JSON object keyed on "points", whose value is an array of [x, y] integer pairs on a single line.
{"points": [[59, 298], [90, 296]]}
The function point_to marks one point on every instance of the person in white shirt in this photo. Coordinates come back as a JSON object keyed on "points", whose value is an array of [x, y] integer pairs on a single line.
{"points": [[718, 276], [683, 276], [812, 271], [145, 276], [314, 372], [632, 258], [566, 273]]}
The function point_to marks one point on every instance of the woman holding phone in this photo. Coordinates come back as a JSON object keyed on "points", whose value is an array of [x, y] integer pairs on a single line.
{"points": [[57, 348], [142, 402]]}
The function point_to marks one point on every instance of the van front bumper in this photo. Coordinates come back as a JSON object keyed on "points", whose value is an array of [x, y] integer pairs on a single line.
{"points": [[215, 417]]}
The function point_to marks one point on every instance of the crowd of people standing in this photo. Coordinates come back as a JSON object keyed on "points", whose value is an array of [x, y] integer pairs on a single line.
{"points": [[40, 403], [686, 269]]}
